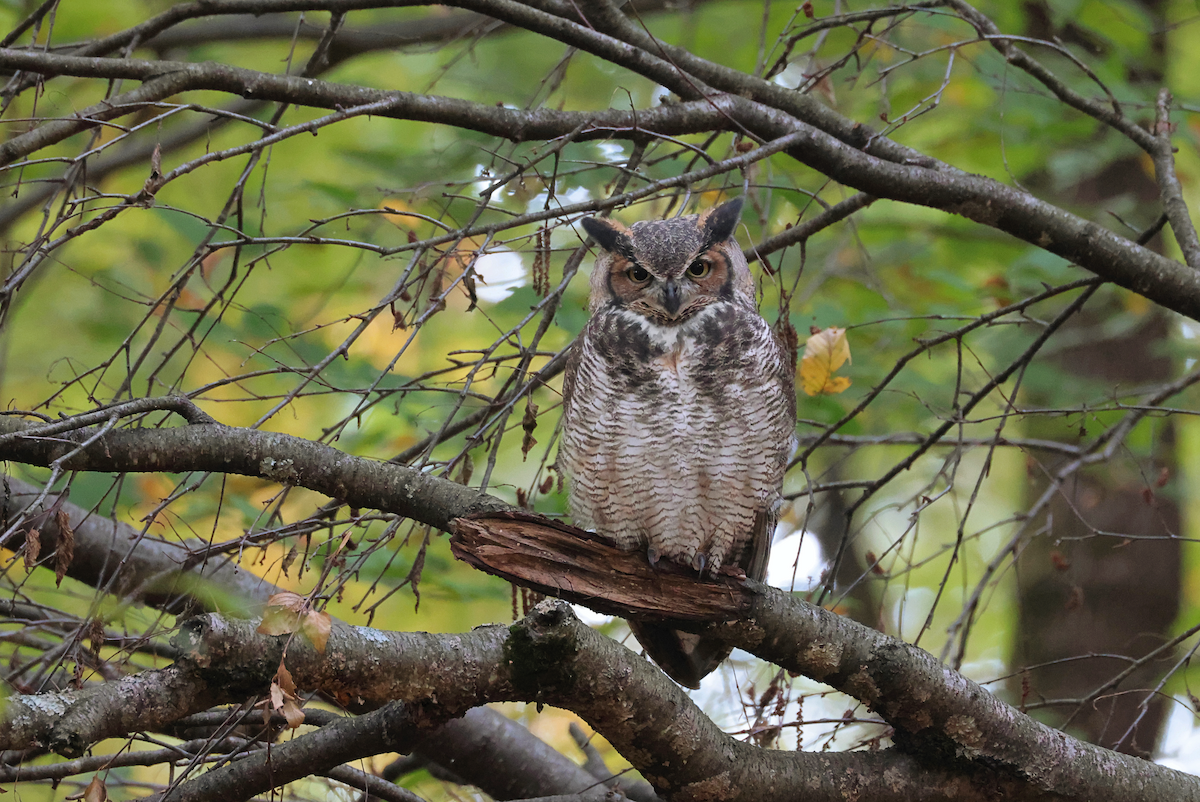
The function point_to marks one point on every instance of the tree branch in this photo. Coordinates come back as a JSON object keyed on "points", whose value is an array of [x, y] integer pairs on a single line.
{"points": [[1168, 183], [550, 657], [395, 727], [281, 458], [118, 558], [1166, 282]]}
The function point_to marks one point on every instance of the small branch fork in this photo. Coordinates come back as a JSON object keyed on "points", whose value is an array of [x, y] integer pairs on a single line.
{"points": [[1174, 205]]}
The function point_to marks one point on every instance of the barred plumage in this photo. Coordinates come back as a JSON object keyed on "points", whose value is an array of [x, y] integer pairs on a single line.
{"points": [[678, 410]]}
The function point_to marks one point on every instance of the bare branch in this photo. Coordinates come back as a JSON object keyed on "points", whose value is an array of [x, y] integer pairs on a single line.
{"points": [[1114, 258], [1168, 183]]}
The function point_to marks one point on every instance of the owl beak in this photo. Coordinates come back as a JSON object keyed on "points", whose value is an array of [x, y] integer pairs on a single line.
{"points": [[671, 297]]}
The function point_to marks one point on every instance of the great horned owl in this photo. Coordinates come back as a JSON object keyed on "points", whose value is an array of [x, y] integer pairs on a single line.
{"points": [[679, 409]]}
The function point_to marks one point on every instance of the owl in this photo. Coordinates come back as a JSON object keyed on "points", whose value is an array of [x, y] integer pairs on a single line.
{"points": [[679, 410]]}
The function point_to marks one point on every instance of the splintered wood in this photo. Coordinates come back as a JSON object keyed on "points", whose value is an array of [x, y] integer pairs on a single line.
{"points": [[578, 566]]}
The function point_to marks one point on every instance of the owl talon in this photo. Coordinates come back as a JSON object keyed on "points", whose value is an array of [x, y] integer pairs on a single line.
{"points": [[698, 563], [652, 556]]}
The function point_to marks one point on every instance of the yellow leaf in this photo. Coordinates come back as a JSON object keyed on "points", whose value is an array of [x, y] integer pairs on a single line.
{"points": [[824, 352], [835, 385]]}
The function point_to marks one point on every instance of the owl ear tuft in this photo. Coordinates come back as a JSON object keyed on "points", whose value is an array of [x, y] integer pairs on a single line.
{"points": [[609, 234], [721, 221]]}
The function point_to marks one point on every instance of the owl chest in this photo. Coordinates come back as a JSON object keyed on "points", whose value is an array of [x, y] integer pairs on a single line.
{"points": [[660, 373], [664, 372]]}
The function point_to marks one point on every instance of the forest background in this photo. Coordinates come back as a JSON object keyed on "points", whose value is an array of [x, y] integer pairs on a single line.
{"points": [[999, 475]]}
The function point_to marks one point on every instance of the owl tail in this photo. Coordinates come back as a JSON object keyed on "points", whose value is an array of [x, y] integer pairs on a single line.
{"points": [[684, 657], [688, 658]]}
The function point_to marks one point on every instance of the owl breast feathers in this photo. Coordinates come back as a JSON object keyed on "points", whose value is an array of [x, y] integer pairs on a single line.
{"points": [[679, 406]]}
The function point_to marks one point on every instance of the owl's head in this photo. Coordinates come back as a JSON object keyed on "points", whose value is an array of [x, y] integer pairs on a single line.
{"points": [[668, 270]]}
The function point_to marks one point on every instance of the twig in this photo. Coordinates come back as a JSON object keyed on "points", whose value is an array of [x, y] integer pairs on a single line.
{"points": [[1168, 182]]}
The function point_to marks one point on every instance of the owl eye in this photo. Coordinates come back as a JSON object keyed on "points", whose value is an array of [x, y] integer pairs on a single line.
{"points": [[699, 269], [638, 274]]}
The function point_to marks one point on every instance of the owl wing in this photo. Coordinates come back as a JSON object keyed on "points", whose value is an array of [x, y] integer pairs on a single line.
{"points": [[570, 371], [754, 561]]}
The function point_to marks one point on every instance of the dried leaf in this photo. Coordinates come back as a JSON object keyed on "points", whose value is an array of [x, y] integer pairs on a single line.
{"points": [[288, 559], [288, 600], [277, 621], [96, 636], [468, 281], [825, 351], [284, 698], [541, 262], [414, 574], [95, 791], [282, 614], [286, 683], [528, 424], [33, 548], [292, 712], [65, 550], [316, 627], [436, 302]]}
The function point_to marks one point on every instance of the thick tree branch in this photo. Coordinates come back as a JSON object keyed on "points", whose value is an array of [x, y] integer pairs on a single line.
{"points": [[550, 657], [113, 556], [281, 458], [118, 558], [935, 711], [395, 727]]}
